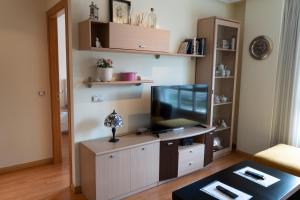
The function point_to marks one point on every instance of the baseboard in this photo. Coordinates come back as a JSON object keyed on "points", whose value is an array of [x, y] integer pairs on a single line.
{"points": [[26, 165], [76, 189], [250, 156]]}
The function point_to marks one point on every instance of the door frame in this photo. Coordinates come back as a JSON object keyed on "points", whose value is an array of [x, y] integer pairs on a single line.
{"points": [[52, 14]]}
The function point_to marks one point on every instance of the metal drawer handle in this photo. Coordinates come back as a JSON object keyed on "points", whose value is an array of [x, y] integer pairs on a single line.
{"points": [[191, 151], [170, 143], [142, 46], [190, 163], [111, 156], [143, 149]]}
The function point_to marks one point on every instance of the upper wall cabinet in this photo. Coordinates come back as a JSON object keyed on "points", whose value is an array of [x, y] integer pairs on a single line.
{"points": [[122, 37]]}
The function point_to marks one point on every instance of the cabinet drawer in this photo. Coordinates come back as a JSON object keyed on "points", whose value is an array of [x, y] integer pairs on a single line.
{"points": [[122, 36], [193, 152], [190, 159], [144, 166], [187, 167]]}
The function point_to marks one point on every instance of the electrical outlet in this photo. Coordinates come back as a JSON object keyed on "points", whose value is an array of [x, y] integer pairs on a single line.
{"points": [[97, 99], [41, 93]]}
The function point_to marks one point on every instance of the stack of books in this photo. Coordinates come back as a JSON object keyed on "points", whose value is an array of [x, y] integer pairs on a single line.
{"points": [[196, 46]]}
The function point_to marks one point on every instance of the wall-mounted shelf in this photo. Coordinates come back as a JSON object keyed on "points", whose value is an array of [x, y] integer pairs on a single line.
{"points": [[157, 54], [221, 104], [91, 83], [124, 38]]}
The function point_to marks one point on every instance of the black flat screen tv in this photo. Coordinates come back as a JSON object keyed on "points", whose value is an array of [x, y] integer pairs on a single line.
{"points": [[179, 106]]}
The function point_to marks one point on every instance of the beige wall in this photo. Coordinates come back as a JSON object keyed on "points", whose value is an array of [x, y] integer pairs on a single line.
{"points": [[239, 14], [25, 126], [263, 17], [133, 103], [50, 3]]}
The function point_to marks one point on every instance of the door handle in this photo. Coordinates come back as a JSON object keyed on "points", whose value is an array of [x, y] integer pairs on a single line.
{"points": [[170, 143]]}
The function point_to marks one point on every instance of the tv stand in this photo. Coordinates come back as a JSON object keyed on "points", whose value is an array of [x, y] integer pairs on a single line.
{"points": [[116, 170]]}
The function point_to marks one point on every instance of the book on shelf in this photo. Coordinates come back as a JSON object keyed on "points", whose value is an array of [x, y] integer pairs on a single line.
{"points": [[196, 46], [183, 48]]}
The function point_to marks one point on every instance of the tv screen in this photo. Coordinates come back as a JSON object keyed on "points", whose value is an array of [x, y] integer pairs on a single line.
{"points": [[179, 106]]}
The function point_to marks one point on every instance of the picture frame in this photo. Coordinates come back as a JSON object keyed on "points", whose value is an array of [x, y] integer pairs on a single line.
{"points": [[120, 11]]}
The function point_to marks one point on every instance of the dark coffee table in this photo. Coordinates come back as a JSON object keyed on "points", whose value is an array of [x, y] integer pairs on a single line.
{"points": [[286, 188]]}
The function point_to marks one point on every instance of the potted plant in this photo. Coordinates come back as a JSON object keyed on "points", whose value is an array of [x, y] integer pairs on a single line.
{"points": [[105, 70]]}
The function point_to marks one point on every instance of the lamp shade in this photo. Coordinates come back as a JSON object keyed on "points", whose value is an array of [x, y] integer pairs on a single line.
{"points": [[113, 120]]}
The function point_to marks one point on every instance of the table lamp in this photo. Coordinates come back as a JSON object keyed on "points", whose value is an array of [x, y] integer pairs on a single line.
{"points": [[113, 121]]}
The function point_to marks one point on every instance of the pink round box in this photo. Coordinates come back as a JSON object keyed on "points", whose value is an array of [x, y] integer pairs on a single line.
{"points": [[128, 76]]}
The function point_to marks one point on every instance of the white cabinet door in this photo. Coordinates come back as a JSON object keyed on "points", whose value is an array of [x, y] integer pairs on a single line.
{"points": [[144, 166], [112, 175]]}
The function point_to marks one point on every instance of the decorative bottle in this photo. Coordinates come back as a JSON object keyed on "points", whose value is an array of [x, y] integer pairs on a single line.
{"points": [[152, 19]]}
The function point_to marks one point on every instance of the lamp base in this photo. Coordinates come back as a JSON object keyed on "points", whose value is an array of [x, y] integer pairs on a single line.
{"points": [[114, 140]]}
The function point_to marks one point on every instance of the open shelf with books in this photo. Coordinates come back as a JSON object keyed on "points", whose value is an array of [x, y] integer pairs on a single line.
{"points": [[125, 38]]}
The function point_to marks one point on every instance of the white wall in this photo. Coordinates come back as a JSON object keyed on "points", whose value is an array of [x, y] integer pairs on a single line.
{"points": [[25, 123], [133, 103], [62, 62], [263, 17]]}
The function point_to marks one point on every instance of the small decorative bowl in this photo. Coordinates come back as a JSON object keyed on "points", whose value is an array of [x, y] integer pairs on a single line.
{"points": [[128, 76]]}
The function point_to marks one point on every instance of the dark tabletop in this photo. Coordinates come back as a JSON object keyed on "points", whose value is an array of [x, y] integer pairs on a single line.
{"points": [[287, 185]]}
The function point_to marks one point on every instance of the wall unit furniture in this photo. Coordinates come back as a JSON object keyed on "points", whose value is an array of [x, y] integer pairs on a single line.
{"points": [[138, 162], [216, 30], [123, 38], [114, 170]]}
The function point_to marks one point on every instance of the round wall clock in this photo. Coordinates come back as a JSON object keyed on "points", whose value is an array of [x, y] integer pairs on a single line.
{"points": [[261, 47]]}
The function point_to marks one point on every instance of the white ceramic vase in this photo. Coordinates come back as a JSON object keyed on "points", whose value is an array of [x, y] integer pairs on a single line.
{"points": [[105, 74]]}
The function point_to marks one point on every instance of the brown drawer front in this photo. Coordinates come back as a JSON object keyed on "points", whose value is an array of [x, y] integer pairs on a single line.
{"points": [[122, 36], [168, 162]]}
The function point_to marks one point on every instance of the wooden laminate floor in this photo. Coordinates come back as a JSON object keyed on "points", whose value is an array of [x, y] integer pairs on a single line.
{"points": [[51, 182]]}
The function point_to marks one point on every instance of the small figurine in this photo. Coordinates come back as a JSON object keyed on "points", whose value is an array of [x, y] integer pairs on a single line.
{"points": [[224, 99], [217, 99], [227, 72], [223, 124], [94, 15], [98, 43]]}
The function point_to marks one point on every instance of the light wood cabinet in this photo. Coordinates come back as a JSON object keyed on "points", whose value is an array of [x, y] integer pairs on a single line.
{"points": [[111, 171], [144, 166], [122, 36], [219, 31], [113, 174]]}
